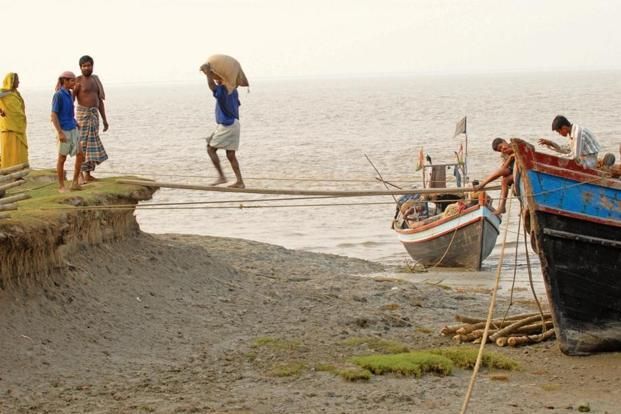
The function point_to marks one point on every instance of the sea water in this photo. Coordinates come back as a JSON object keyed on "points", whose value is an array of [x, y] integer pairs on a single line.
{"points": [[330, 134]]}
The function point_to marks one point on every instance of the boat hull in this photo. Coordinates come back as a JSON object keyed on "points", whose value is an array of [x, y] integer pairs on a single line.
{"points": [[464, 240], [582, 282], [574, 218]]}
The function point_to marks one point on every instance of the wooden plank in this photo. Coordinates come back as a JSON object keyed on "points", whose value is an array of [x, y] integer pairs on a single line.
{"points": [[13, 176], [14, 168], [298, 192], [15, 198]]}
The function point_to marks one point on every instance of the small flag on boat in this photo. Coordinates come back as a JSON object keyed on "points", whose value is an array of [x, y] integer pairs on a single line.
{"points": [[460, 128], [421, 160]]}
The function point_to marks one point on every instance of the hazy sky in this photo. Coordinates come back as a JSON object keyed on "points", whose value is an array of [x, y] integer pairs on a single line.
{"points": [[134, 41]]}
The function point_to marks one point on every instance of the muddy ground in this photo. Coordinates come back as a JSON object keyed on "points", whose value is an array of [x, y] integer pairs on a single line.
{"points": [[192, 324]]}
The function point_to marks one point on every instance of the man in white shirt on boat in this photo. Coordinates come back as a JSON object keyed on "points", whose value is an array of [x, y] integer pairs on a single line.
{"points": [[583, 147]]}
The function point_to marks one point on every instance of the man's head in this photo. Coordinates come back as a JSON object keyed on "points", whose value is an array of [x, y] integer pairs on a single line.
{"points": [[66, 80], [501, 145], [561, 125], [86, 65]]}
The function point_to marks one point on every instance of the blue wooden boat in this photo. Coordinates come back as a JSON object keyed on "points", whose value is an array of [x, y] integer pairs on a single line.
{"points": [[573, 215]]}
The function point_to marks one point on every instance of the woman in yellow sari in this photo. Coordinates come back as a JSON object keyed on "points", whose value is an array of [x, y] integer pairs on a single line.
{"points": [[13, 143]]}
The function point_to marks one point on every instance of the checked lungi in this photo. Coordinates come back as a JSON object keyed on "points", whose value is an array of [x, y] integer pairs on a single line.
{"points": [[92, 148]]}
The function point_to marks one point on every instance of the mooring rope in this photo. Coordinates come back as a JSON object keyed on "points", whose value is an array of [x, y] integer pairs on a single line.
{"points": [[490, 313], [517, 246], [530, 279]]}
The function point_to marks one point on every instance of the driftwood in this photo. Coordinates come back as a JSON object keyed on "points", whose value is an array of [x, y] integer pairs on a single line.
{"points": [[531, 339], [513, 330], [13, 199], [13, 176], [514, 326], [467, 328], [7, 207], [5, 187], [449, 329], [471, 320], [14, 168]]}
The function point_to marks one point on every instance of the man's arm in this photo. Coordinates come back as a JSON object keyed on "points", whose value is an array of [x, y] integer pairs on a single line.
{"points": [[102, 112], [76, 88], [554, 146], [59, 130], [504, 170], [210, 80]]}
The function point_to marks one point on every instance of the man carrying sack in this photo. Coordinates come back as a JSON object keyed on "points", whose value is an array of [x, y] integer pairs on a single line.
{"points": [[224, 75]]}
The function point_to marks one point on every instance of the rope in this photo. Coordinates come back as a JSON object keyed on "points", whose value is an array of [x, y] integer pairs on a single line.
{"points": [[173, 207], [517, 246], [530, 280], [380, 177], [310, 179], [490, 313], [448, 247]]}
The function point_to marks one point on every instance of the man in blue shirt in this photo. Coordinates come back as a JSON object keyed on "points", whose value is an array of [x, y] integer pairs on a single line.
{"points": [[226, 135], [66, 127]]}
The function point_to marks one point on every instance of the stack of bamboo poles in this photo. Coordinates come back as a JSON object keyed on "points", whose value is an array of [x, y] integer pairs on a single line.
{"points": [[514, 330], [9, 178]]}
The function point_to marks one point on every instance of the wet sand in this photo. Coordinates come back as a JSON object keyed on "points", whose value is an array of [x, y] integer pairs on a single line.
{"points": [[171, 323]]}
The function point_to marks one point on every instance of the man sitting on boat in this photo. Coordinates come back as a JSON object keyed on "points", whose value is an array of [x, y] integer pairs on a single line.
{"points": [[505, 171], [583, 147]]}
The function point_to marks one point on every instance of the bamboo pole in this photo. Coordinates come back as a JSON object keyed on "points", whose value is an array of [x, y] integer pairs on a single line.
{"points": [[14, 199], [14, 168], [296, 192], [17, 183], [13, 176], [7, 207]]}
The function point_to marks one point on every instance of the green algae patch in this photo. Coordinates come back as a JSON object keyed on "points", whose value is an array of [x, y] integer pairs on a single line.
{"points": [[287, 369], [464, 357], [384, 346], [46, 200], [408, 364], [354, 374], [276, 343]]}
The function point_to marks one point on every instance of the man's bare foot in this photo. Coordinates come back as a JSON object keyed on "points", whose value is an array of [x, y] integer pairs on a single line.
{"points": [[62, 190], [220, 180], [237, 184]]}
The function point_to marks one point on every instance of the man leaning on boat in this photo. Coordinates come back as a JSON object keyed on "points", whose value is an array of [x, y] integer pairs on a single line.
{"points": [[583, 147]]}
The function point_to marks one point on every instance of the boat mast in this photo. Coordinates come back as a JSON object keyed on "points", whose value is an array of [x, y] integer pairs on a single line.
{"points": [[465, 155]]}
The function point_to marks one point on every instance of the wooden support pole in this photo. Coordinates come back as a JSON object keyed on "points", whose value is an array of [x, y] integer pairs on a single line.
{"points": [[13, 176], [14, 199], [297, 192], [14, 168], [17, 183]]}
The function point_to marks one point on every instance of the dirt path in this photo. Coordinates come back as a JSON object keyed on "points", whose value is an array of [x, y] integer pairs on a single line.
{"points": [[180, 324]]}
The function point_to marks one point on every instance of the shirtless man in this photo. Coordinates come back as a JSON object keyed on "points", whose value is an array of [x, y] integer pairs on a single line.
{"points": [[90, 95], [505, 172]]}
